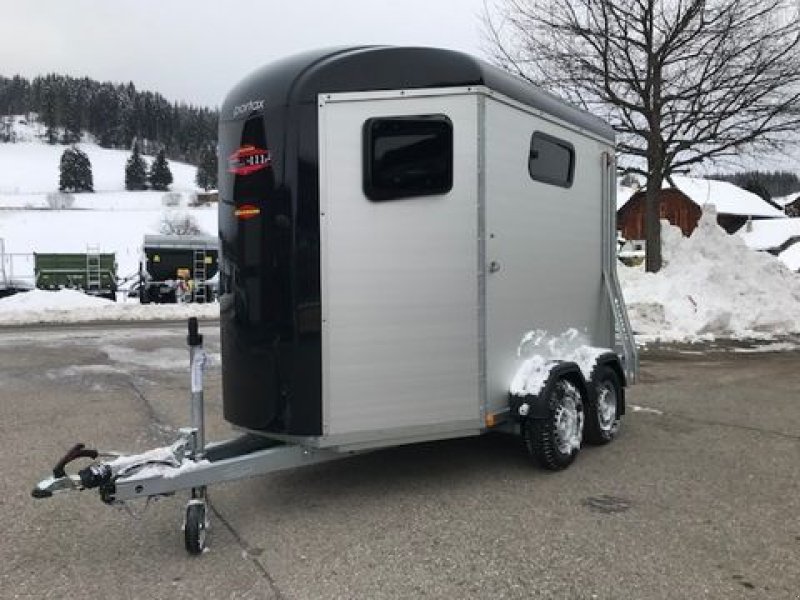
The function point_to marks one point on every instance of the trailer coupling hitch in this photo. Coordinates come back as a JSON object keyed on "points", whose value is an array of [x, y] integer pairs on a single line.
{"points": [[60, 481], [99, 474]]}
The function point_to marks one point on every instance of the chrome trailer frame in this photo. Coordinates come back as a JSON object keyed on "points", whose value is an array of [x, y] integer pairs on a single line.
{"points": [[196, 474], [188, 464]]}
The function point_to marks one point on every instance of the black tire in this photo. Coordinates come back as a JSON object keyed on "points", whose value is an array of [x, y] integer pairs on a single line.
{"points": [[544, 438], [602, 413], [194, 532]]}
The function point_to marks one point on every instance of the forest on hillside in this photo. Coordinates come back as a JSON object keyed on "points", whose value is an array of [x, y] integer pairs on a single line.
{"points": [[114, 113]]}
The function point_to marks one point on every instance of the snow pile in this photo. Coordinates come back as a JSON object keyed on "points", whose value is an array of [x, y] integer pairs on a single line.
{"points": [[791, 257], [44, 300], [539, 353], [69, 306], [712, 285]]}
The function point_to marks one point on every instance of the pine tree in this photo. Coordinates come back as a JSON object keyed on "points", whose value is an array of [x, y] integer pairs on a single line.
{"points": [[75, 171], [135, 170], [206, 176], [49, 118], [160, 176]]}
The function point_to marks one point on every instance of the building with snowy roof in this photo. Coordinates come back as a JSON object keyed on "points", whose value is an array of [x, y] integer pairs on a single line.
{"points": [[792, 208], [682, 206], [780, 237]]}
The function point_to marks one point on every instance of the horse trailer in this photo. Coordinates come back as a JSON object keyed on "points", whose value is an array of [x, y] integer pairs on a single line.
{"points": [[414, 245]]}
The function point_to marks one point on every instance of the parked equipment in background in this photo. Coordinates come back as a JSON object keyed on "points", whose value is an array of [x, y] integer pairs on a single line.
{"points": [[400, 229], [9, 283], [178, 268], [92, 272]]}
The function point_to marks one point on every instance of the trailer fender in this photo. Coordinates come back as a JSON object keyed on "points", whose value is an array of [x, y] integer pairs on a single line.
{"points": [[612, 361], [537, 406]]}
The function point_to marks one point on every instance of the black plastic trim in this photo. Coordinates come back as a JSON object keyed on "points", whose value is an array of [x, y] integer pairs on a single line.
{"points": [[378, 193], [539, 407], [547, 178], [611, 359]]}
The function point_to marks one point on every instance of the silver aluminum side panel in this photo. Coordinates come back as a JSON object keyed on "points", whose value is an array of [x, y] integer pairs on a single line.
{"points": [[399, 282], [546, 241]]}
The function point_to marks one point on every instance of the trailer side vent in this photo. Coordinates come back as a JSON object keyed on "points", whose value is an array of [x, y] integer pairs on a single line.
{"points": [[551, 160], [406, 157]]}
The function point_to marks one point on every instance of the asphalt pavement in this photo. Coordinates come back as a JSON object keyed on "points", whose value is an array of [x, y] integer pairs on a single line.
{"points": [[699, 497]]}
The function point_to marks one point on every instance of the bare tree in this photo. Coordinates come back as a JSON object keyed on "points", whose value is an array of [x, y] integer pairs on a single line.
{"points": [[681, 81], [179, 223]]}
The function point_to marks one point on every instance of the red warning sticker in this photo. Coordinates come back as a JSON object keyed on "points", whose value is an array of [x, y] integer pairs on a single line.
{"points": [[248, 159]]}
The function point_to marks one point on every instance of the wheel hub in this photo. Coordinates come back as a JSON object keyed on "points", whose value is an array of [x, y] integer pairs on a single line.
{"points": [[569, 421], [606, 406]]}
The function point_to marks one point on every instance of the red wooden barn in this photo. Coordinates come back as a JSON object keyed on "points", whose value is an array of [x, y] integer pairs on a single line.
{"points": [[681, 206]]}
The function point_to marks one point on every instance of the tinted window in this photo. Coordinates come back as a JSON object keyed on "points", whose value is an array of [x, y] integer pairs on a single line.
{"points": [[551, 160], [408, 156]]}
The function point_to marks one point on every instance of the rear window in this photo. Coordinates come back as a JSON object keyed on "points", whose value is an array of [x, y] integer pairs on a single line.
{"points": [[406, 157], [551, 160]]}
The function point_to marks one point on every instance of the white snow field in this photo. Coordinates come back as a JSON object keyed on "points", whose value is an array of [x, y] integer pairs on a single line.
{"points": [[118, 231], [712, 286], [111, 219], [30, 170]]}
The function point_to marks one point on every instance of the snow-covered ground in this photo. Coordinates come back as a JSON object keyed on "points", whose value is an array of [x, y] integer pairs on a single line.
{"points": [[69, 306]]}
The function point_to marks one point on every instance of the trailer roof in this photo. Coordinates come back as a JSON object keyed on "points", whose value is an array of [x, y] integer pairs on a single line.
{"points": [[300, 78]]}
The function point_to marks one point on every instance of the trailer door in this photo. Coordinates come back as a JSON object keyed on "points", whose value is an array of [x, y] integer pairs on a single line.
{"points": [[398, 221], [544, 237]]}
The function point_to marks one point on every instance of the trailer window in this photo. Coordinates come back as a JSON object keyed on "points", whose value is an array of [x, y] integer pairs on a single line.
{"points": [[551, 160], [408, 156]]}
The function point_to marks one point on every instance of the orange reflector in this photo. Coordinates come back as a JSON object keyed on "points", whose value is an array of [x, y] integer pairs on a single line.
{"points": [[490, 420], [247, 211]]}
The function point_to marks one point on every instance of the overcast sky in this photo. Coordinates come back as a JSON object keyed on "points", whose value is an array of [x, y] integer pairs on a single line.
{"points": [[196, 50]]}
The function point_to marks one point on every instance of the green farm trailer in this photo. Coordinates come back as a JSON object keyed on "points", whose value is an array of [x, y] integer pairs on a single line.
{"points": [[178, 268], [92, 273]]}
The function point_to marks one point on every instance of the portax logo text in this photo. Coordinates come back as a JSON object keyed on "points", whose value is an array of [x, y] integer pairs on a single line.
{"points": [[247, 107]]}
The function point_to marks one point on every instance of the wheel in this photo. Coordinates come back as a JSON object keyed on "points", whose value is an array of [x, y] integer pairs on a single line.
{"points": [[194, 532], [602, 413], [554, 442]]}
